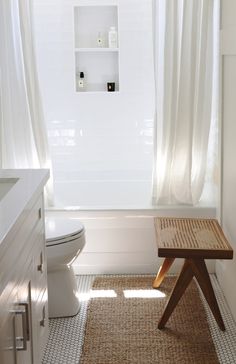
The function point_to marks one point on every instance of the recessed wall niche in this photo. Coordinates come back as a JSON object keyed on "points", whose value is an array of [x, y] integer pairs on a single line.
{"points": [[96, 59]]}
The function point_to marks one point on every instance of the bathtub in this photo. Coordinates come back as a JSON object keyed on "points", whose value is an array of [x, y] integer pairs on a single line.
{"points": [[123, 240]]}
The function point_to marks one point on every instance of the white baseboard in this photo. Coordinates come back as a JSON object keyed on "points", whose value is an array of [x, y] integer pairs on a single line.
{"points": [[114, 269], [104, 264]]}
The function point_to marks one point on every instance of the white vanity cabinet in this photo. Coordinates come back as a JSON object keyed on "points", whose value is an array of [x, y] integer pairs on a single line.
{"points": [[23, 288]]}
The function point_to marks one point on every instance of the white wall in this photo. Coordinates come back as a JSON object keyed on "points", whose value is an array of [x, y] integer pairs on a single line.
{"points": [[101, 143], [226, 270]]}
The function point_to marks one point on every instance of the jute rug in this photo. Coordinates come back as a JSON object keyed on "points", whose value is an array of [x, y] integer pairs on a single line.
{"points": [[124, 330]]}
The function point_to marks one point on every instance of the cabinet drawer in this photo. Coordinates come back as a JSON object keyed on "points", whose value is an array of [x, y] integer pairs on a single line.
{"points": [[36, 242], [34, 218], [36, 214], [7, 334], [40, 269], [40, 325], [7, 300], [7, 340], [12, 257]]}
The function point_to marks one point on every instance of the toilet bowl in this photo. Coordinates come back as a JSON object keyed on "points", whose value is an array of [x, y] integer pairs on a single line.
{"points": [[65, 239]]}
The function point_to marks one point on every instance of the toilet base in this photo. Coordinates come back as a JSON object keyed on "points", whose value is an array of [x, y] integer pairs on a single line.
{"points": [[62, 293]]}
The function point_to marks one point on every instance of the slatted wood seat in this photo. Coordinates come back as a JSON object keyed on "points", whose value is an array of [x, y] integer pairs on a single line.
{"points": [[194, 240]]}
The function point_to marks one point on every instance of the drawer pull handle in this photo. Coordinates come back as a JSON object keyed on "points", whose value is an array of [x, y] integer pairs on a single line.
{"points": [[26, 306], [25, 327], [40, 266], [40, 213], [42, 322]]}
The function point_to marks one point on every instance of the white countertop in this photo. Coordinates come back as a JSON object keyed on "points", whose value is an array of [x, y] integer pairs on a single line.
{"points": [[15, 200]]}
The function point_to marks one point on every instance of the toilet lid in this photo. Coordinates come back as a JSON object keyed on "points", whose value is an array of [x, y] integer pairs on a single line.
{"points": [[58, 229]]}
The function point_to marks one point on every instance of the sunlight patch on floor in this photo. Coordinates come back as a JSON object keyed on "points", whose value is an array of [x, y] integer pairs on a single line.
{"points": [[143, 293], [97, 293]]}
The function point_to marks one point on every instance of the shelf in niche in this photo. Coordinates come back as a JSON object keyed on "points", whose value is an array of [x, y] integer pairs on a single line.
{"points": [[91, 92], [99, 68], [97, 88], [100, 65], [101, 49]]}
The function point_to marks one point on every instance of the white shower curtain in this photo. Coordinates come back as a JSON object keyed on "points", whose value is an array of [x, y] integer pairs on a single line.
{"points": [[184, 52], [23, 134]]}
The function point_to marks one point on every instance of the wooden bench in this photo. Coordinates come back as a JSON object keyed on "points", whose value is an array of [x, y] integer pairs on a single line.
{"points": [[194, 240]]}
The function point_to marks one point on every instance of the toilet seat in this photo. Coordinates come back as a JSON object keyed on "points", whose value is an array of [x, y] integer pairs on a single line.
{"points": [[62, 230]]}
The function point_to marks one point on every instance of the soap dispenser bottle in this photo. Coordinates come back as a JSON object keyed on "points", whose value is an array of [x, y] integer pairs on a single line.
{"points": [[81, 83], [112, 37]]}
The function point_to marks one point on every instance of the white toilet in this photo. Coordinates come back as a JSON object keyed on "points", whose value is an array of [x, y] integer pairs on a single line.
{"points": [[65, 239]]}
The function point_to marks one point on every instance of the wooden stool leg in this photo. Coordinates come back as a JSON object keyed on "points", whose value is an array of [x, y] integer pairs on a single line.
{"points": [[201, 273], [162, 272], [181, 284]]}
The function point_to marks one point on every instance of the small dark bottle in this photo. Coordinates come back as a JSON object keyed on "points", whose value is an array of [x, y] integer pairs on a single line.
{"points": [[111, 86], [81, 83]]}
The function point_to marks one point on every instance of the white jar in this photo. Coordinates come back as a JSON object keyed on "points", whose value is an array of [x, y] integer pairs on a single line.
{"points": [[112, 38]]}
